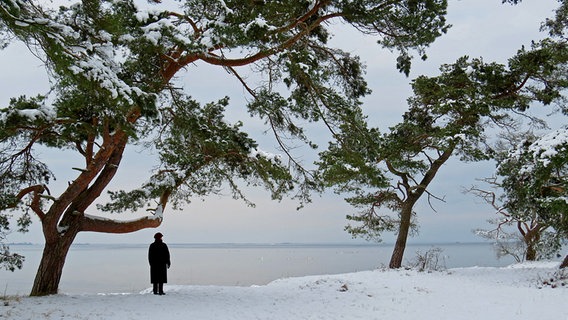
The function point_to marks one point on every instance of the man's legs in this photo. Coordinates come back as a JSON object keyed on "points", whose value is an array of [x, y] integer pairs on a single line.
{"points": [[155, 285]]}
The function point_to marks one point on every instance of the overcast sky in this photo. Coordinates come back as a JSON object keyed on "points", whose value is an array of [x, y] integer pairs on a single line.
{"points": [[481, 28]]}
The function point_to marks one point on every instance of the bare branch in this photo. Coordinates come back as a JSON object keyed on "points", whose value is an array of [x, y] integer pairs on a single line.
{"points": [[35, 204]]}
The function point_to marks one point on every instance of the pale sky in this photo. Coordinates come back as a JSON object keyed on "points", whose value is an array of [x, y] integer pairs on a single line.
{"points": [[481, 28]]}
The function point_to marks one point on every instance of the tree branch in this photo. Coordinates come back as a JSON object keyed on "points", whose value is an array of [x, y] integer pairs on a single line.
{"points": [[209, 57], [103, 179], [514, 90], [62, 205], [37, 191], [97, 224]]}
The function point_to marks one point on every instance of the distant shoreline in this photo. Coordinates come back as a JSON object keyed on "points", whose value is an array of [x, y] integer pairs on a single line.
{"points": [[261, 244]]}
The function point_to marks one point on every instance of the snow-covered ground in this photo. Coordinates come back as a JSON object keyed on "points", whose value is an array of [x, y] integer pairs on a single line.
{"points": [[515, 292]]}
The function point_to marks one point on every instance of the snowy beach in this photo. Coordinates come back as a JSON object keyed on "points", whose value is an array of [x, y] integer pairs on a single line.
{"points": [[126, 267], [521, 291]]}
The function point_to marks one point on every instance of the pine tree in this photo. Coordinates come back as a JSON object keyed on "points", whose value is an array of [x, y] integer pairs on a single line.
{"points": [[448, 116]]}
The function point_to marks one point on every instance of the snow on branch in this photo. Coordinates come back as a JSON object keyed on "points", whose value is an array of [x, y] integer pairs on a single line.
{"points": [[100, 224], [159, 212], [42, 112], [274, 158], [549, 145]]}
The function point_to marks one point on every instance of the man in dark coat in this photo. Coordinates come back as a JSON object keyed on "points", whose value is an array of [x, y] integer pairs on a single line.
{"points": [[159, 258]]}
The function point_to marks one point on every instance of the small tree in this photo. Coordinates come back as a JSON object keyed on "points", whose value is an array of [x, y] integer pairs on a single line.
{"points": [[528, 238], [534, 172], [535, 186]]}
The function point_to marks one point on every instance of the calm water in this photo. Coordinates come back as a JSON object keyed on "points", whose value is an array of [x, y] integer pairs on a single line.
{"points": [[98, 268]]}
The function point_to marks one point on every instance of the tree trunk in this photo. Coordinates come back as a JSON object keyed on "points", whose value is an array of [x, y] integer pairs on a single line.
{"points": [[400, 245], [50, 268], [564, 263], [530, 254], [412, 198], [531, 238]]}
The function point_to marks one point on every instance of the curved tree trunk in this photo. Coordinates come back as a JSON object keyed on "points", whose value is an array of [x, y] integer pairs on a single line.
{"points": [[412, 197], [400, 245]]}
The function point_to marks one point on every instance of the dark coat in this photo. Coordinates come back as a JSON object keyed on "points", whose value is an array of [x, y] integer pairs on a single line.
{"points": [[159, 258]]}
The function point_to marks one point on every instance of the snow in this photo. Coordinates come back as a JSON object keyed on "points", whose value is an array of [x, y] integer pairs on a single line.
{"points": [[142, 16], [515, 292], [548, 146], [275, 158], [351, 168], [543, 150], [32, 114], [259, 22], [159, 213], [225, 7]]}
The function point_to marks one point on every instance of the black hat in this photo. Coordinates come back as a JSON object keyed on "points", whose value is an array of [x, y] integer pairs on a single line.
{"points": [[158, 236]]}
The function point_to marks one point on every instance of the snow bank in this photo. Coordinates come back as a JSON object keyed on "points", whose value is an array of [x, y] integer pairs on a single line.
{"points": [[470, 293]]}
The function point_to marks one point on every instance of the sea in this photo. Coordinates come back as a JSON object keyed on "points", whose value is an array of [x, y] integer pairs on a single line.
{"points": [[123, 268]]}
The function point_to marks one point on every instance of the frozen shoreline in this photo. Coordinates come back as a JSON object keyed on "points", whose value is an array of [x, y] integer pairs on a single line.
{"points": [[125, 267], [514, 292]]}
